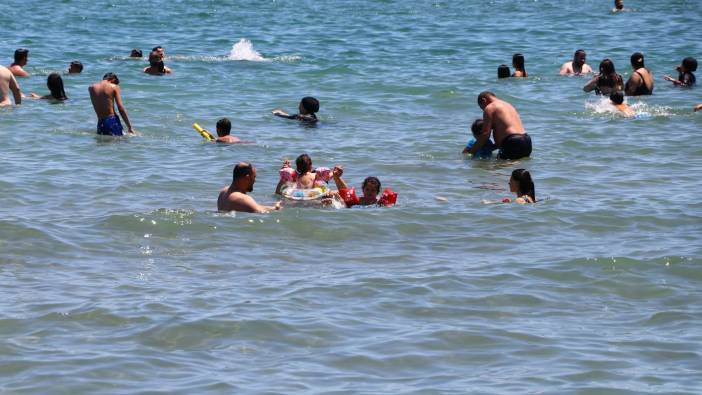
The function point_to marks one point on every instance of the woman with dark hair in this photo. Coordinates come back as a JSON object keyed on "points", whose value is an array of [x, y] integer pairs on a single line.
{"points": [[55, 84], [641, 81], [521, 184], [518, 64], [606, 81], [503, 71]]}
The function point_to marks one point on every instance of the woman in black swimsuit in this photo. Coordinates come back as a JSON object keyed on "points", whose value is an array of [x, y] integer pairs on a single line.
{"points": [[606, 81], [638, 86]]}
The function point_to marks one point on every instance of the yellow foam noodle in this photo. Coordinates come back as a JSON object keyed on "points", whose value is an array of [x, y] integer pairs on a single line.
{"points": [[204, 133]]}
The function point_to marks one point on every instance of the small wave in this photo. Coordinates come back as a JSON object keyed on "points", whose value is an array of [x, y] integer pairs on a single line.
{"points": [[642, 110], [244, 50]]}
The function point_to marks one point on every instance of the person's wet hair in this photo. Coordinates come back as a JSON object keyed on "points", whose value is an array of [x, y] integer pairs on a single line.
{"points": [[303, 163], [242, 169], [310, 104], [224, 127], [372, 179], [526, 185], [619, 4], [155, 60], [617, 97], [111, 77], [55, 85], [690, 64], [136, 53], [485, 95], [476, 127], [637, 60], [503, 71], [607, 67], [77, 64], [608, 75], [156, 48], [21, 54], [518, 62]]}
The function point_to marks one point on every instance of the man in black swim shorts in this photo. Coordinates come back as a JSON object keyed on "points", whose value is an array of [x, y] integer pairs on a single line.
{"points": [[502, 120]]}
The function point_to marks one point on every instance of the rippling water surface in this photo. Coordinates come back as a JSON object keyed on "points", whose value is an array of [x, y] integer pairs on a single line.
{"points": [[117, 275]]}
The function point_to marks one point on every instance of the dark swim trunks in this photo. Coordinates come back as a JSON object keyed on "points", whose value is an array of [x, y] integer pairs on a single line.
{"points": [[110, 126], [515, 146]]}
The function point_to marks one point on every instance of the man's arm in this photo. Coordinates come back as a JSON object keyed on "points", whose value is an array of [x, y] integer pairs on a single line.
{"points": [[698, 107], [592, 84], [122, 110], [564, 69], [16, 92], [19, 72], [485, 133], [280, 113], [247, 204]]}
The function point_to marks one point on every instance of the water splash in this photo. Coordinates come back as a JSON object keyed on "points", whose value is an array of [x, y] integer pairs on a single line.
{"points": [[244, 50], [642, 110]]}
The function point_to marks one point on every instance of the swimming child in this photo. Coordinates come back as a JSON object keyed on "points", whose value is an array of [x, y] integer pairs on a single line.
{"points": [[76, 67], [518, 64], [370, 188], [308, 107], [304, 177], [503, 71], [521, 184], [685, 76], [617, 100], [485, 152], [55, 84]]}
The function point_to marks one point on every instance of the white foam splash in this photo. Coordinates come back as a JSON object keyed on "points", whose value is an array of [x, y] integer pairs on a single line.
{"points": [[244, 50], [641, 109]]}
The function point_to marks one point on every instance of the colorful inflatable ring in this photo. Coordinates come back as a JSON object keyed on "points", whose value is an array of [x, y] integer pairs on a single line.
{"points": [[293, 193]]}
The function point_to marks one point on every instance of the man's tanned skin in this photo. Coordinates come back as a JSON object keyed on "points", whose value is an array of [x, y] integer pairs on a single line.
{"points": [[499, 118], [104, 95], [234, 197]]}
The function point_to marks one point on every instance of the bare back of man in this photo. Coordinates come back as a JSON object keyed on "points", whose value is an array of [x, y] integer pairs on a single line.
{"points": [[104, 95], [575, 69], [502, 120], [8, 84]]}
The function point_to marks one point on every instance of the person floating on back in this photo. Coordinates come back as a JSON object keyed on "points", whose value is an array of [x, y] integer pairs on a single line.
{"points": [[503, 71], [156, 66], [308, 108], [76, 67], [518, 64], [104, 95], [577, 66], [641, 80], [502, 120], [8, 83], [617, 100], [55, 84], [685, 73], [234, 197], [486, 151], [21, 59]]}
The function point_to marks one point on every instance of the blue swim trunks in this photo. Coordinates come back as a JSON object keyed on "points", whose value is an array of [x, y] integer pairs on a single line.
{"points": [[110, 126]]}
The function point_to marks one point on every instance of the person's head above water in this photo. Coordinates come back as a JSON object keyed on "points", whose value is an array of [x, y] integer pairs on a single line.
{"points": [[112, 77], [619, 4], [617, 97], [690, 64], [371, 187], [308, 105], [579, 57], [485, 98], [55, 85], [136, 53], [76, 67], [244, 176], [607, 67], [159, 50], [518, 61], [156, 61], [224, 127], [21, 56], [476, 127], [521, 183], [637, 60], [503, 71], [303, 164]]}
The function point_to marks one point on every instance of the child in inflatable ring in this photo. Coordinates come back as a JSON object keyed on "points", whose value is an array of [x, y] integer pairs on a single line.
{"points": [[303, 177]]}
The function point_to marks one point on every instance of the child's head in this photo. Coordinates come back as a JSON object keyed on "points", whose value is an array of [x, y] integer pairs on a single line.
{"points": [[518, 61], [617, 97], [76, 67], [476, 127], [521, 183], [371, 187], [309, 105], [303, 163], [503, 71], [689, 64], [224, 127]]}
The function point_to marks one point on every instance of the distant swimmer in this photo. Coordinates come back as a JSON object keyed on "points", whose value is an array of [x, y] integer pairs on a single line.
{"points": [[156, 66], [160, 51], [55, 84], [308, 108], [641, 81], [698, 107], [577, 66], [617, 100], [503, 71], [21, 59], [685, 73], [606, 81], [76, 67], [8, 83], [486, 151], [136, 53], [502, 120], [523, 186], [104, 95], [518, 64], [618, 6], [224, 127], [235, 198]]}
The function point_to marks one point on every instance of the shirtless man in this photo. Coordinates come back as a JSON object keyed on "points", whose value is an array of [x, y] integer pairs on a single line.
{"points": [[8, 83], [577, 66], [234, 197], [21, 56], [641, 81], [104, 94], [502, 120]]}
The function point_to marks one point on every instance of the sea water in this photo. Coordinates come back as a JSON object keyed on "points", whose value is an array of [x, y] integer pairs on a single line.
{"points": [[118, 275]]}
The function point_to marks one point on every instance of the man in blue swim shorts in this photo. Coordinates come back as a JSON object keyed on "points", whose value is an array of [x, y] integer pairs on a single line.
{"points": [[104, 95]]}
